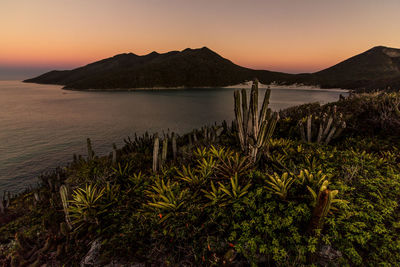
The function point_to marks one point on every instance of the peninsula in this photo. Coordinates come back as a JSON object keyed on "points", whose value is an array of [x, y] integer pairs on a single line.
{"points": [[377, 68]]}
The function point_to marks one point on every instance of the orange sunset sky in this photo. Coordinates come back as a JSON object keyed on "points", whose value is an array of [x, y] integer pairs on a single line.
{"points": [[282, 35]]}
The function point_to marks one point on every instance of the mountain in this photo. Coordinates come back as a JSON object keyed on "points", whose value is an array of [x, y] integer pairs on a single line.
{"points": [[188, 68], [377, 67]]}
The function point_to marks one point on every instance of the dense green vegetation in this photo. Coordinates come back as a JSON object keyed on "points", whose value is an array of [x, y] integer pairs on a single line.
{"points": [[377, 68], [227, 194]]}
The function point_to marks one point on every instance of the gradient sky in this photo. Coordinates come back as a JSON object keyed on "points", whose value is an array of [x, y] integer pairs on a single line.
{"points": [[282, 35]]}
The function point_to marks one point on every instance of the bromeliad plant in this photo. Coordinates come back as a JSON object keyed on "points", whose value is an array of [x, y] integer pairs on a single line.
{"points": [[200, 175], [220, 153], [279, 185], [121, 173], [311, 178], [216, 196], [192, 176], [167, 199], [234, 191], [231, 165], [87, 206]]}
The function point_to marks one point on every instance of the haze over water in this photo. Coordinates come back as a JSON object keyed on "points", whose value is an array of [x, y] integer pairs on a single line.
{"points": [[41, 126]]}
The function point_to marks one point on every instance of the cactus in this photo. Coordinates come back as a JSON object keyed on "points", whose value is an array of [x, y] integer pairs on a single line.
{"points": [[330, 125], [309, 118], [190, 145], [36, 198], [57, 182], [213, 134], [225, 127], [254, 127], [64, 200], [205, 133], [164, 150], [114, 154], [174, 148], [194, 136], [242, 131], [5, 202], [218, 131], [160, 155], [155, 152], [90, 150], [323, 202]]}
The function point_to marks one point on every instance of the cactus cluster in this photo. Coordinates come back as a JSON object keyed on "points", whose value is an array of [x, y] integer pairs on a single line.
{"points": [[254, 127], [159, 159], [53, 179], [390, 104], [138, 143], [205, 135], [330, 125]]}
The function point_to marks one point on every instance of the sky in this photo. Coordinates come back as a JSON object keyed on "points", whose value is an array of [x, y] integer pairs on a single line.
{"points": [[282, 35]]}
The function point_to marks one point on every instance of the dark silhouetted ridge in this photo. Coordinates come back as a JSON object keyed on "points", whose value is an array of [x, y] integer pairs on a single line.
{"points": [[378, 67], [375, 66]]}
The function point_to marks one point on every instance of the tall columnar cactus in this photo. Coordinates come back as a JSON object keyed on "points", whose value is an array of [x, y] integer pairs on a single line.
{"points": [[155, 152], [5, 202], [89, 149], [64, 200], [36, 196], [164, 150], [114, 154], [330, 125], [194, 136], [174, 148], [254, 127], [160, 155], [241, 123]]}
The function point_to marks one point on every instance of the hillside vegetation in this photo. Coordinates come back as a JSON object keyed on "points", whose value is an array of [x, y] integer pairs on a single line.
{"points": [[311, 185]]}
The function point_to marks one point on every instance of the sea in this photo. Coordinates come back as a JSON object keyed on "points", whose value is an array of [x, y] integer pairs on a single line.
{"points": [[42, 126]]}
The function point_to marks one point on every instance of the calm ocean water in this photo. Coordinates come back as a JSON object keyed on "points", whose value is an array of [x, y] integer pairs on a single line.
{"points": [[41, 126]]}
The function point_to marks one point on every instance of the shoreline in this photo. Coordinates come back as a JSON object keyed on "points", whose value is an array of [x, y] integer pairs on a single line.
{"points": [[238, 86], [245, 85]]}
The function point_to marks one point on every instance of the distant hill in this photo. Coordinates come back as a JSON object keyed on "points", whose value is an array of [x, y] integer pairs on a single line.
{"points": [[378, 67], [189, 68]]}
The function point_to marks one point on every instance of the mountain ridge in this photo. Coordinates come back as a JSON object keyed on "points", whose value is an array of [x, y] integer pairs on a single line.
{"points": [[202, 67]]}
